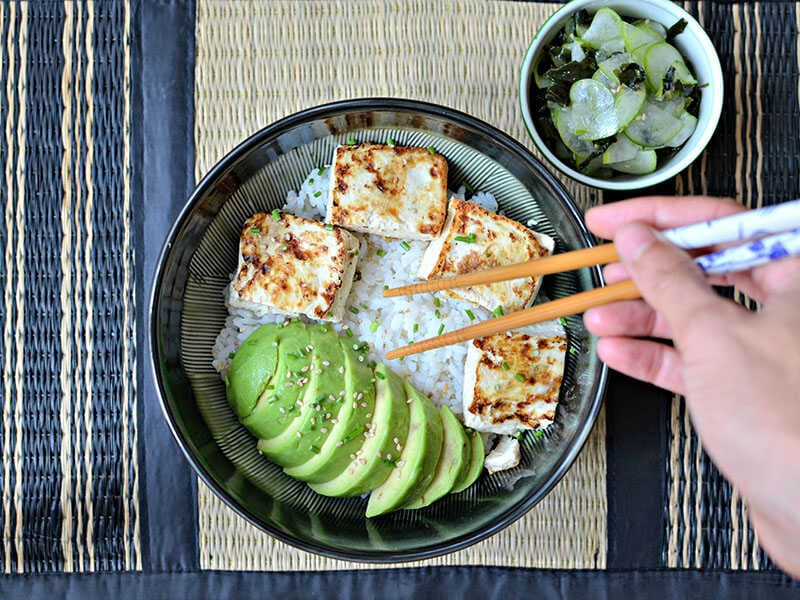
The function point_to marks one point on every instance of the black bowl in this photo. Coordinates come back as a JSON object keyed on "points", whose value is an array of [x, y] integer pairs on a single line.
{"points": [[187, 311]]}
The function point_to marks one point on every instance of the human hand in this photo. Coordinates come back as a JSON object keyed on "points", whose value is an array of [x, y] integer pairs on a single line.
{"points": [[739, 370]]}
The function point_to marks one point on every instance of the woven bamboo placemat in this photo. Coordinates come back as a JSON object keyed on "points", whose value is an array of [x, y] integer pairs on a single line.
{"points": [[257, 62]]}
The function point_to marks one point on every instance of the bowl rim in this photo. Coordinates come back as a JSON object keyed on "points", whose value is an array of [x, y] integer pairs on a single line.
{"points": [[506, 518], [659, 175]]}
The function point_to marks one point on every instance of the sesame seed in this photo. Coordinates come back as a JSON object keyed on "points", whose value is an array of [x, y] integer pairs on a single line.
{"points": [[363, 461], [283, 410], [318, 372], [331, 397], [363, 405], [359, 452], [327, 415], [409, 401], [326, 363], [341, 393], [313, 421], [398, 447], [400, 463], [324, 430], [289, 384], [396, 440], [309, 348], [360, 358], [319, 407], [352, 457], [388, 457], [379, 454], [304, 369], [299, 434], [334, 421], [368, 416], [341, 369], [339, 444], [355, 405]]}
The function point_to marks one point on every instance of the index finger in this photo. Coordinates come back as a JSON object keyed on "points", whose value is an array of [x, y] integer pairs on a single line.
{"points": [[659, 212]]}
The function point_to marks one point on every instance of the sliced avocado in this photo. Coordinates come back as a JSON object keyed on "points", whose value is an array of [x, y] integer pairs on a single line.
{"points": [[305, 436], [251, 368], [351, 429], [389, 429], [456, 451], [277, 405], [473, 468], [414, 471]]}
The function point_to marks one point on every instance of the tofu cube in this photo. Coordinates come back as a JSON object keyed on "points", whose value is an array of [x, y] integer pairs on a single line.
{"points": [[475, 239], [393, 191], [293, 265], [512, 380]]}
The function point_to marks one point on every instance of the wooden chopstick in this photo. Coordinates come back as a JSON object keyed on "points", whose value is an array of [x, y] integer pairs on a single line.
{"points": [[597, 255], [571, 305]]}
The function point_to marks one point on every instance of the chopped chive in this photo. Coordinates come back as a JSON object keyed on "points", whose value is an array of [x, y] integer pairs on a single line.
{"points": [[438, 313], [441, 329], [498, 312], [402, 358], [255, 230], [362, 305], [351, 141], [563, 321], [573, 350], [506, 367], [353, 310], [436, 301], [373, 326], [276, 215], [385, 287], [321, 171], [415, 327], [519, 376], [380, 252], [311, 181], [329, 227], [231, 354], [404, 245], [349, 332], [431, 149], [470, 314], [538, 433], [380, 375], [390, 142], [518, 435], [467, 239], [488, 255], [468, 187], [317, 194]]}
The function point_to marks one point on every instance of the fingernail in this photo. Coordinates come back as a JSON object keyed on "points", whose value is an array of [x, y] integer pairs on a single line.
{"points": [[633, 239]]}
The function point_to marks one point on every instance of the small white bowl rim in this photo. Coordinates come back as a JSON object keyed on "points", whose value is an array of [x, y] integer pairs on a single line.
{"points": [[706, 127]]}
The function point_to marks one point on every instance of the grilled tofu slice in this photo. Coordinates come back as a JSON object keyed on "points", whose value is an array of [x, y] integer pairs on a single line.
{"points": [[293, 265], [393, 191], [512, 380], [475, 239]]}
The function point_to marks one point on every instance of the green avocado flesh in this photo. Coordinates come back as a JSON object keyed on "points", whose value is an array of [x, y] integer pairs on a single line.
{"points": [[330, 417], [375, 462], [455, 453], [474, 465]]}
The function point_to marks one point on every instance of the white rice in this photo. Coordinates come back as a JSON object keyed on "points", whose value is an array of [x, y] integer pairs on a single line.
{"points": [[438, 373]]}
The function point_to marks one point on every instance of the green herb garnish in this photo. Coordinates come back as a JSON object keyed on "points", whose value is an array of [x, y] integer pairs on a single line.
{"points": [[441, 329], [380, 252], [351, 141], [317, 194], [255, 230], [373, 326], [470, 314], [431, 149], [321, 171], [676, 29], [519, 376], [405, 246], [538, 433], [390, 142], [349, 332], [380, 375], [353, 310], [563, 321], [276, 215], [436, 301], [498, 312], [329, 227], [438, 313], [468, 239], [231, 354], [468, 187], [506, 366], [415, 327]]}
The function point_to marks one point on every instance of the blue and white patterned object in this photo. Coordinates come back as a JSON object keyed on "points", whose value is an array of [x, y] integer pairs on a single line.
{"points": [[751, 254], [739, 227]]}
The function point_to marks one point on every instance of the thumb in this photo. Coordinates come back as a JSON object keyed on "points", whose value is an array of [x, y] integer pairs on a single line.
{"points": [[666, 276]]}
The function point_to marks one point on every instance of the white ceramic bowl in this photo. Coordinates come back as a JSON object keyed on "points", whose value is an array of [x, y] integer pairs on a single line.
{"points": [[695, 46]]}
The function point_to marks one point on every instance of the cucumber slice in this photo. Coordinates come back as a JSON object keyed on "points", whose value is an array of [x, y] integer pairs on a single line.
{"points": [[655, 126], [689, 124], [654, 26], [628, 104], [604, 80], [636, 37], [658, 60], [606, 25], [644, 162], [621, 150], [571, 141], [576, 51], [609, 48], [591, 114], [614, 63]]}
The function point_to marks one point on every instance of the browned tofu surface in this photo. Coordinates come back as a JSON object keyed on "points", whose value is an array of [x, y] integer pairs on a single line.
{"points": [[294, 265], [393, 191]]}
